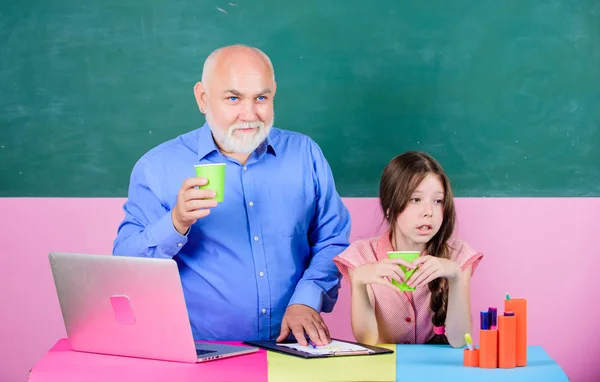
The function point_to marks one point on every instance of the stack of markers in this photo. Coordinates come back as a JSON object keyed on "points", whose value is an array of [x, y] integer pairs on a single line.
{"points": [[503, 339]]}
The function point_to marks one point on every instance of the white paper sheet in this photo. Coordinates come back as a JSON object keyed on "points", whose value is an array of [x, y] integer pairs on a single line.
{"points": [[334, 347]]}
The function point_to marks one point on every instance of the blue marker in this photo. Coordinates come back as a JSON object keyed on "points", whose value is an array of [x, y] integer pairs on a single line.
{"points": [[484, 317], [493, 317]]}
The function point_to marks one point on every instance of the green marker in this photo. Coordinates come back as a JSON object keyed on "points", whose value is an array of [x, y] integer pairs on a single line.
{"points": [[507, 297]]}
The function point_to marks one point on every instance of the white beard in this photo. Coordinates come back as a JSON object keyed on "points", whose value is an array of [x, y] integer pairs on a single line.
{"points": [[245, 144]]}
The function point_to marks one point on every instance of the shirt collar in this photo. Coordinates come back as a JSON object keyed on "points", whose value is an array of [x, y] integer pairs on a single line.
{"points": [[206, 144], [383, 246]]}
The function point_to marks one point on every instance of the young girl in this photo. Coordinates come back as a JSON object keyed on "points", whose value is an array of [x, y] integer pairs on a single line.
{"points": [[417, 201]]}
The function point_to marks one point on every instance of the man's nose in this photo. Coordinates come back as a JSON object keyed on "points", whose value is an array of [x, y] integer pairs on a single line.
{"points": [[248, 112]]}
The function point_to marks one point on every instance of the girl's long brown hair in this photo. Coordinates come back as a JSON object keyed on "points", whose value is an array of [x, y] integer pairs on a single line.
{"points": [[400, 178]]}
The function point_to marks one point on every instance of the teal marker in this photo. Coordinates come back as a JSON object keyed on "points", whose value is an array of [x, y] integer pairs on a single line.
{"points": [[507, 296]]}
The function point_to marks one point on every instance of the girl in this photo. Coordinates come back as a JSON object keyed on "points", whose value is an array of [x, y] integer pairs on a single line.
{"points": [[417, 201]]}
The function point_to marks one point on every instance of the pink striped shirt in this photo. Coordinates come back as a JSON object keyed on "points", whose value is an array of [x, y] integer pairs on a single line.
{"points": [[402, 317]]}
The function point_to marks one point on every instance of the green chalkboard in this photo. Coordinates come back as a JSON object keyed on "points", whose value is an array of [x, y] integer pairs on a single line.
{"points": [[506, 94]]}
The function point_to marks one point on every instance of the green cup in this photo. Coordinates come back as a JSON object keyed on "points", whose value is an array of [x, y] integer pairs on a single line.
{"points": [[215, 173], [408, 256]]}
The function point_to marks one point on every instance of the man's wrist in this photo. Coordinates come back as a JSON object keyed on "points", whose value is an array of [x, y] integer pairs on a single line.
{"points": [[181, 228]]}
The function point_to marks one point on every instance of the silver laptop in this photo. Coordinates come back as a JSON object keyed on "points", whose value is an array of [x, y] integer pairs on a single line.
{"points": [[129, 306]]}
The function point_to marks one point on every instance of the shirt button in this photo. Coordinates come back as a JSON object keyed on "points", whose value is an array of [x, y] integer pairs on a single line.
{"points": [[250, 204], [245, 168], [408, 319], [261, 274], [179, 244], [255, 238], [263, 311]]}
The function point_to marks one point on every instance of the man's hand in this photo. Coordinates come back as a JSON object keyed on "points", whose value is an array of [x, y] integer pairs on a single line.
{"points": [[301, 319], [191, 204]]}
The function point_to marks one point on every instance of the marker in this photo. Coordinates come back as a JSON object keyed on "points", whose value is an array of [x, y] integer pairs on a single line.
{"points": [[484, 318], [509, 313], [311, 343], [507, 296], [493, 317], [469, 341]]}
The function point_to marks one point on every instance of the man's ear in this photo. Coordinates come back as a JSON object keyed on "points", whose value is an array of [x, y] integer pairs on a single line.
{"points": [[200, 94]]}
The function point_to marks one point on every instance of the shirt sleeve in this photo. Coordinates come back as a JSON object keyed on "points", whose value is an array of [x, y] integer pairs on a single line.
{"points": [[147, 229], [464, 255], [354, 256], [348, 260], [328, 235]]}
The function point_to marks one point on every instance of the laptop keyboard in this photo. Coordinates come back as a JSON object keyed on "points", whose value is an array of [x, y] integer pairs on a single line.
{"points": [[204, 351]]}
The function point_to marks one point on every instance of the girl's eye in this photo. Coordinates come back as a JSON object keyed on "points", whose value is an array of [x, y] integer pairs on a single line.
{"points": [[439, 201], [415, 200]]}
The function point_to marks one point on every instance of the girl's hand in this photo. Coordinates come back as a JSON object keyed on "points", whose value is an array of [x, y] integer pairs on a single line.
{"points": [[430, 268], [378, 272]]}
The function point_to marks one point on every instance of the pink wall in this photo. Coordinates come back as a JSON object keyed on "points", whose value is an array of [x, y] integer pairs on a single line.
{"points": [[541, 249]]}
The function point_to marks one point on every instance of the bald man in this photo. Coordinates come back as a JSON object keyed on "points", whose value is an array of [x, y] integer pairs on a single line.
{"points": [[258, 265]]}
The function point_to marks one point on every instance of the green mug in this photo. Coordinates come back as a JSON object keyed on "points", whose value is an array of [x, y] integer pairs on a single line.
{"points": [[215, 173], [408, 256]]}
